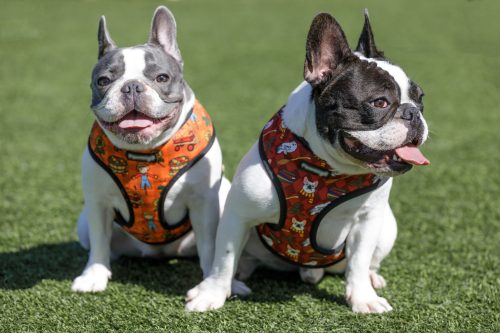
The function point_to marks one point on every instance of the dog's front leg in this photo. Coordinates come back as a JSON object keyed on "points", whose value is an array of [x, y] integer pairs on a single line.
{"points": [[249, 203], [211, 294], [204, 215], [97, 272], [361, 244]]}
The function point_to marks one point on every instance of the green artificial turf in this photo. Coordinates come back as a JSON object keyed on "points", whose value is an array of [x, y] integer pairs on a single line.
{"points": [[243, 58]]}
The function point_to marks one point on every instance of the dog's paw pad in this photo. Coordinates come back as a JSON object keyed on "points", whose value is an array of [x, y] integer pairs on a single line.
{"points": [[377, 280]]}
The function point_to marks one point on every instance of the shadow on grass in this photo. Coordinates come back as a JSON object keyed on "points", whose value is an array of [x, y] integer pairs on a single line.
{"points": [[274, 286], [64, 261]]}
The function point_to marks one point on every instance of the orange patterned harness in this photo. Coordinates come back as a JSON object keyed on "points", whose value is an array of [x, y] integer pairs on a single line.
{"points": [[308, 189], [144, 178]]}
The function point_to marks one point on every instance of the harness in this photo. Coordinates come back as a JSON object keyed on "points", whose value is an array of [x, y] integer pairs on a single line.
{"points": [[308, 189], [144, 178]]}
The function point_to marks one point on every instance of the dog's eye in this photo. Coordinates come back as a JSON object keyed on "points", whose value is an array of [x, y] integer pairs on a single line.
{"points": [[162, 78], [420, 98], [380, 103], [103, 81]]}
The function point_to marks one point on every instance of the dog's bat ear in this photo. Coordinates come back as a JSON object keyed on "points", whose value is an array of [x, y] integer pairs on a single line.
{"points": [[366, 44], [164, 32], [106, 44], [326, 48]]}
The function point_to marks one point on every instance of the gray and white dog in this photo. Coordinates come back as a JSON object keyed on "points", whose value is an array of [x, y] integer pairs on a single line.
{"points": [[360, 115], [140, 101]]}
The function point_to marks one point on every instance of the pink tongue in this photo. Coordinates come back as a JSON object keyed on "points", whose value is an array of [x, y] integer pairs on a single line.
{"points": [[411, 154], [135, 120]]}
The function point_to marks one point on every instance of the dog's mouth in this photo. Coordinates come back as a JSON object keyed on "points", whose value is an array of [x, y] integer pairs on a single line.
{"points": [[400, 159], [136, 121]]}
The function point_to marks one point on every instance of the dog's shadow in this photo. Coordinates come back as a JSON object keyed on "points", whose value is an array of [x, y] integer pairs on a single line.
{"points": [[24, 269], [64, 261], [271, 286]]}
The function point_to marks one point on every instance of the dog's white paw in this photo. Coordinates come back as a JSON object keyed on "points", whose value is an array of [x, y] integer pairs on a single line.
{"points": [[311, 276], [366, 301], [208, 295], [93, 279], [377, 280], [239, 288], [376, 305]]}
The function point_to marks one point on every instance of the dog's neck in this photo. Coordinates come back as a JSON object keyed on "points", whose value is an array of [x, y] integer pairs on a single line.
{"points": [[299, 116], [188, 104]]}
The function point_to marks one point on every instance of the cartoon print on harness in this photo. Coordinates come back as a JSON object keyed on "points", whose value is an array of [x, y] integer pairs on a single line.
{"points": [[177, 163], [318, 208], [150, 219], [99, 145], [308, 186], [144, 175], [118, 164], [282, 129], [136, 199], [335, 192], [298, 226], [287, 147], [185, 138], [287, 176], [308, 189], [292, 253]]}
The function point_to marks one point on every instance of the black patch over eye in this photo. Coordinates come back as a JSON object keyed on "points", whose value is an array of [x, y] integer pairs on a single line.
{"points": [[103, 81], [162, 78], [380, 103]]}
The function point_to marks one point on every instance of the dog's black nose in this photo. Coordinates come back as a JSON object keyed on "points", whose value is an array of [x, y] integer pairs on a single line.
{"points": [[409, 112], [132, 86]]}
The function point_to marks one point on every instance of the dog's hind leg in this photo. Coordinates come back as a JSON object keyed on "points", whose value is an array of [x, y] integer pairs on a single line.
{"points": [[246, 266], [311, 275], [82, 229]]}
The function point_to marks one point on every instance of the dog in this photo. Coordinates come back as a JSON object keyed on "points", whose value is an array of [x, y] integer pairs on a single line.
{"points": [[321, 205], [152, 170]]}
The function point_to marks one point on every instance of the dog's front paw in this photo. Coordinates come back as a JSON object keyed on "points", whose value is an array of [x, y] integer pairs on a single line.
{"points": [[376, 305], [208, 295], [93, 279], [367, 301]]}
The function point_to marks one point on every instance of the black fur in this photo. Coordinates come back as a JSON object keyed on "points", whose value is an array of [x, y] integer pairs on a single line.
{"points": [[366, 43]]}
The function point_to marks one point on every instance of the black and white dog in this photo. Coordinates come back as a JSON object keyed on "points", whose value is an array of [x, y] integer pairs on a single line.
{"points": [[357, 121], [152, 169]]}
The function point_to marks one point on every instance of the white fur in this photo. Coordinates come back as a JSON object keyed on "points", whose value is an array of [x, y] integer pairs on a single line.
{"points": [[366, 221], [199, 190]]}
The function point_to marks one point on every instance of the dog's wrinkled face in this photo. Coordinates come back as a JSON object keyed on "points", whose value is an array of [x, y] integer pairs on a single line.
{"points": [[366, 108], [138, 92]]}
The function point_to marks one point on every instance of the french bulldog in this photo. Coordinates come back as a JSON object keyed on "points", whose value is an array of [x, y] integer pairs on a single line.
{"points": [[312, 195], [152, 171]]}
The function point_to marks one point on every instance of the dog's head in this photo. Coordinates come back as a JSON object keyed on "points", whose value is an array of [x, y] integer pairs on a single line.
{"points": [[138, 92], [366, 107]]}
